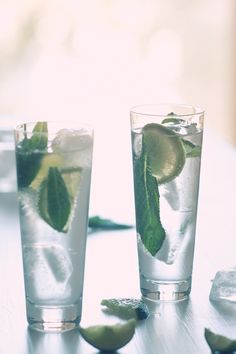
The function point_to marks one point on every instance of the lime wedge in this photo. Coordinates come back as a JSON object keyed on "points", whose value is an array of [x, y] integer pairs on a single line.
{"points": [[219, 343], [109, 338], [165, 152], [50, 160], [126, 308]]}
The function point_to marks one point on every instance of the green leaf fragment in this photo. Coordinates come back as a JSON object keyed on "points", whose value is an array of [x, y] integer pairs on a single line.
{"points": [[148, 223], [28, 165], [58, 199], [39, 138], [96, 222], [54, 200], [191, 150], [28, 159]]}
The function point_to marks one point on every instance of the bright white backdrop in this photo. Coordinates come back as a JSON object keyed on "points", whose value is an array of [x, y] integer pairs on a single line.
{"points": [[94, 59]]}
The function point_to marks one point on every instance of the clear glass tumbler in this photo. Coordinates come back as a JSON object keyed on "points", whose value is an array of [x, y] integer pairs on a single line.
{"points": [[53, 175], [166, 147]]}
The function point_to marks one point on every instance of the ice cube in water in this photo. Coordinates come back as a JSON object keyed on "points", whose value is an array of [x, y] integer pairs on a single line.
{"points": [[68, 140]]}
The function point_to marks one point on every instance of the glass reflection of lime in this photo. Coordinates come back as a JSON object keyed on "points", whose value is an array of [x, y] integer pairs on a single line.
{"points": [[165, 152], [109, 337]]}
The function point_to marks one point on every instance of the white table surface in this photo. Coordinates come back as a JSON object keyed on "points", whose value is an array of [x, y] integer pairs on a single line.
{"points": [[112, 271]]}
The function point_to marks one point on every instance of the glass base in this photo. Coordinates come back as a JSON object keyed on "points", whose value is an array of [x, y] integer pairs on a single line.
{"points": [[53, 319], [165, 290]]}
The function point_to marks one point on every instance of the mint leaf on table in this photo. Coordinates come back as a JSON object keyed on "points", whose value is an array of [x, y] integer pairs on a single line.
{"points": [[148, 223], [96, 222], [28, 162], [54, 200]]}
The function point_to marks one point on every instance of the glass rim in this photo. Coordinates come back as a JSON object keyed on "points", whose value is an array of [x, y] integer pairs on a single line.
{"points": [[28, 126], [139, 109]]}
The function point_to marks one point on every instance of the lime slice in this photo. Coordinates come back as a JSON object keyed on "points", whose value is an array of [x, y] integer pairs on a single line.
{"points": [[109, 338], [126, 308], [219, 343], [165, 152], [50, 160]]}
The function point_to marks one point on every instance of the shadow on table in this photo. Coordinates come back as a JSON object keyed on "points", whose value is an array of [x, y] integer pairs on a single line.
{"points": [[51, 343]]}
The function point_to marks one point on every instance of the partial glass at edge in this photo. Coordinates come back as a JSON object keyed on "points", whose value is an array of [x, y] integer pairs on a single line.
{"points": [[53, 176], [166, 148]]}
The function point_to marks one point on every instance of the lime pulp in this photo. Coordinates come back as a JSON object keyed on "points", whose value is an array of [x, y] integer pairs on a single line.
{"points": [[165, 152], [109, 337]]}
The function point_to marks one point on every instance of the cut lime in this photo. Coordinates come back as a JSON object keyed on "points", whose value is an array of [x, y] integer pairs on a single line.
{"points": [[126, 308], [219, 343], [165, 152], [109, 338], [50, 160]]}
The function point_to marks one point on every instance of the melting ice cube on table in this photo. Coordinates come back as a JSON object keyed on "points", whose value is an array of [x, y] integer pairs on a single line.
{"points": [[224, 285]]}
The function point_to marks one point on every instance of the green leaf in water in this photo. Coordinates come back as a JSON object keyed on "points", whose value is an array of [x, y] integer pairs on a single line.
{"points": [[28, 165], [191, 150], [28, 159], [148, 221], [54, 200], [39, 138]]}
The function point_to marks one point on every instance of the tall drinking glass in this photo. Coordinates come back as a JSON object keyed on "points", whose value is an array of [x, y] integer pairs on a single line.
{"points": [[166, 146], [53, 177]]}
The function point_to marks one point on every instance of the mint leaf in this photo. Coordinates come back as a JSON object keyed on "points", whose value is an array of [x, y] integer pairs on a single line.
{"points": [[39, 138], [191, 150], [55, 206], [28, 165], [96, 222], [28, 159], [147, 207]]}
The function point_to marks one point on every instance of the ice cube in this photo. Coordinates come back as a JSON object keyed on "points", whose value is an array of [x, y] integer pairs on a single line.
{"points": [[224, 285], [47, 270], [188, 128], [170, 192], [177, 225], [69, 140], [59, 263]]}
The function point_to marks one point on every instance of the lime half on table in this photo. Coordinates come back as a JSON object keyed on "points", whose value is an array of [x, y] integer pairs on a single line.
{"points": [[165, 152], [109, 338]]}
